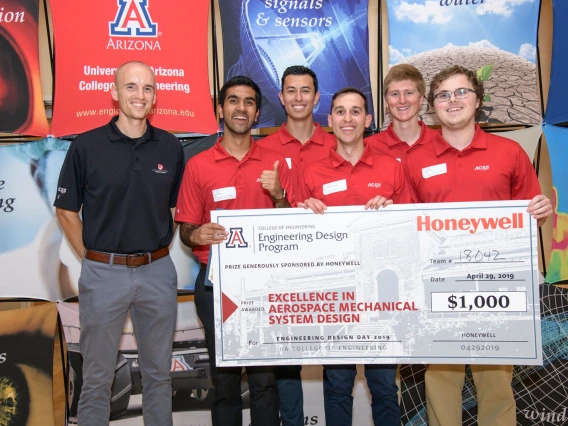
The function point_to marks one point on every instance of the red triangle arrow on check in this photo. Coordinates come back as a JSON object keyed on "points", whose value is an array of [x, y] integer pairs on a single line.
{"points": [[228, 307]]}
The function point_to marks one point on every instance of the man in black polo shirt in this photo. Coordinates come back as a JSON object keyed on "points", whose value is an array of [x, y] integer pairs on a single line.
{"points": [[125, 176]]}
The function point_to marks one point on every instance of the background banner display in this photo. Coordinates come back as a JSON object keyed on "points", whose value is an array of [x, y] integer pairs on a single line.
{"points": [[261, 38], [93, 39], [495, 38], [557, 141], [556, 111], [35, 258], [21, 102], [26, 364]]}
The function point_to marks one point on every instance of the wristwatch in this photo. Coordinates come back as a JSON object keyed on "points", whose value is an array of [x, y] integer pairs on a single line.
{"points": [[283, 198]]}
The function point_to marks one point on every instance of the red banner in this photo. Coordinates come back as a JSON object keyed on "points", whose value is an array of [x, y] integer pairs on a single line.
{"points": [[94, 38], [21, 101]]}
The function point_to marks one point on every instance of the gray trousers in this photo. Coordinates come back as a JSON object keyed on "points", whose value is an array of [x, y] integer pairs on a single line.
{"points": [[106, 293]]}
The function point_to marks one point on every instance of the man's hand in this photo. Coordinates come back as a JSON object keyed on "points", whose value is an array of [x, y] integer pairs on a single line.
{"points": [[270, 180], [540, 208], [207, 234], [377, 202], [317, 206]]}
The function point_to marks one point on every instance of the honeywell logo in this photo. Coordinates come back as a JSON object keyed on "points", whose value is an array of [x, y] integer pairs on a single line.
{"points": [[426, 223]]}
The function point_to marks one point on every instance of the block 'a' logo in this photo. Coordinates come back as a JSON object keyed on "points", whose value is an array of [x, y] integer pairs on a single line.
{"points": [[133, 20], [236, 239]]}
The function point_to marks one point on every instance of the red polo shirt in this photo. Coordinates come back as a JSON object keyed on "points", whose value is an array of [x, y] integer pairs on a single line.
{"points": [[388, 143], [491, 168], [301, 155], [336, 182], [214, 179]]}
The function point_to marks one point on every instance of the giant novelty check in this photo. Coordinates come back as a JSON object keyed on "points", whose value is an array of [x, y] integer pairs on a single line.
{"points": [[426, 283]]}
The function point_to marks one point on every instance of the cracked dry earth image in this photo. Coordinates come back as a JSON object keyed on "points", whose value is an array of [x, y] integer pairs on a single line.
{"points": [[512, 86]]}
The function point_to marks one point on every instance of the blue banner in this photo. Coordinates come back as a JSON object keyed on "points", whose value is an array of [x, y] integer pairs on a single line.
{"points": [[556, 139], [261, 38], [495, 38], [556, 110]]}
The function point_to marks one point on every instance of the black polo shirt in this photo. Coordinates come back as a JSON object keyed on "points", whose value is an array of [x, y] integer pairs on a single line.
{"points": [[125, 187]]}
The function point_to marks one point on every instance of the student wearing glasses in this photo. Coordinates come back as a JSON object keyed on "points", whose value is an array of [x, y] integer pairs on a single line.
{"points": [[464, 163]]}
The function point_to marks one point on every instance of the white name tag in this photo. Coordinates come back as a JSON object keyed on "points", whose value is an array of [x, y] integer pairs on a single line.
{"points": [[289, 161], [337, 186], [228, 193], [438, 169]]}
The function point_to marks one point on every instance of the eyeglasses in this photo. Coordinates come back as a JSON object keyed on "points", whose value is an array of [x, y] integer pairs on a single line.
{"points": [[460, 93]]}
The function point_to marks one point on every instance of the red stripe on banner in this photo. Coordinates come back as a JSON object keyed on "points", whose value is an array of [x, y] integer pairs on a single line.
{"points": [[94, 38], [21, 99]]}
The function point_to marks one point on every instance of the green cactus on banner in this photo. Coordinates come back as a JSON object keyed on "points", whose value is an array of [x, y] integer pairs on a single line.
{"points": [[484, 74]]}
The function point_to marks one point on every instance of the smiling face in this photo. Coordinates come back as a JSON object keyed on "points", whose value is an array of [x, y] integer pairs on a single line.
{"points": [[348, 118], [134, 90], [403, 100], [456, 114], [299, 96], [239, 111]]}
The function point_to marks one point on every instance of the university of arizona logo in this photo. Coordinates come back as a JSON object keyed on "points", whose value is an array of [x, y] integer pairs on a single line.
{"points": [[236, 239], [133, 20]]}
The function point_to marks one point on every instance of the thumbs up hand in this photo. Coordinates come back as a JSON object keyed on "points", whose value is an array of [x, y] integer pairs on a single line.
{"points": [[270, 180]]}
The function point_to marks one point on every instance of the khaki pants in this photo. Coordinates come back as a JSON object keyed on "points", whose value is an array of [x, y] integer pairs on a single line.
{"points": [[495, 401]]}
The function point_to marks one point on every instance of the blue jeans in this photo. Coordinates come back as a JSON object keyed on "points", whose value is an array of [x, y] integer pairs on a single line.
{"points": [[338, 381], [290, 395]]}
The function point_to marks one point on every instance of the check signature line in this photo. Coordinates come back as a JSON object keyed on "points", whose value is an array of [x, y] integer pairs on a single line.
{"points": [[480, 341], [332, 341]]}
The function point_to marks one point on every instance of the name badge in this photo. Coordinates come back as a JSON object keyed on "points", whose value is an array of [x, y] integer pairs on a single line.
{"points": [[228, 193], [438, 169], [289, 161], [337, 186]]}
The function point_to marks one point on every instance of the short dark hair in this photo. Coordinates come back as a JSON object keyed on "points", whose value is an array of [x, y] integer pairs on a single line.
{"points": [[403, 72], [450, 72], [240, 80], [300, 70], [346, 90]]}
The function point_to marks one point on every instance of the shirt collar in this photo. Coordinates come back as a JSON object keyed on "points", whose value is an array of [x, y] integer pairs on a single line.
{"points": [[286, 136], [479, 141], [393, 139], [221, 153], [114, 133], [337, 160]]}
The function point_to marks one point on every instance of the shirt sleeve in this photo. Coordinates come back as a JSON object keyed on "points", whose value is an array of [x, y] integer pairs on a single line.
{"points": [[72, 180], [524, 184], [190, 204]]}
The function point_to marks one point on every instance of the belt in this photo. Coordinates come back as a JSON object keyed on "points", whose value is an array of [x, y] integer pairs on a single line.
{"points": [[202, 265], [130, 260]]}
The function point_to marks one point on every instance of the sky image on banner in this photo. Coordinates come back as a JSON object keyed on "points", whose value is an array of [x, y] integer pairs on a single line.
{"points": [[21, 102], [495, 38], [261, 38], [94, 38]]}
